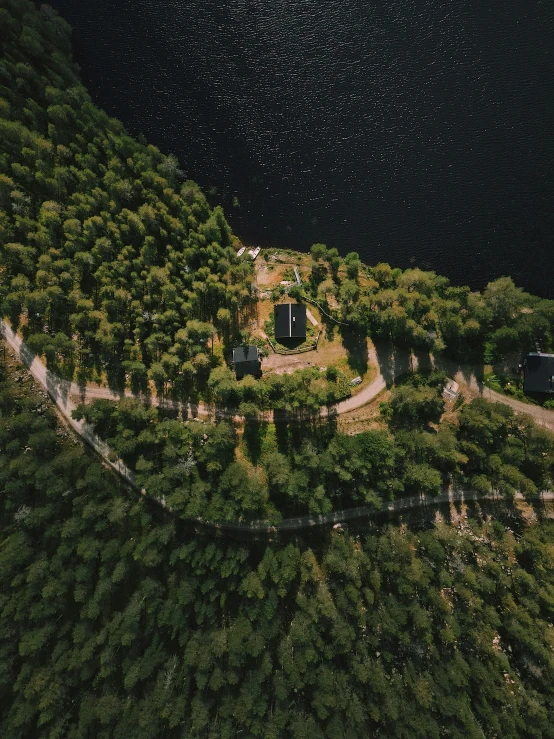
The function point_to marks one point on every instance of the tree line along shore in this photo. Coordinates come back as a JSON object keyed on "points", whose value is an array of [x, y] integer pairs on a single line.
{"points": [[116, 268], [114, 622]]}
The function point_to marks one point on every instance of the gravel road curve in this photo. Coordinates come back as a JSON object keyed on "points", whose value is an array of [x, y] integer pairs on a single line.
{"points": [[61, 391]]}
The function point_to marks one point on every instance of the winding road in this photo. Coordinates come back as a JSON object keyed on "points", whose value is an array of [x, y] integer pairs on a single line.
{"points": [[401, 505], [391, 364], [59, 392], [394, 364], [62, 392]]}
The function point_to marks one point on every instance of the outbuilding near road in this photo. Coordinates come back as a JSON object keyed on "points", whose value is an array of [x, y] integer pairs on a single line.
{"points": [[538, 373], [246, 361]]}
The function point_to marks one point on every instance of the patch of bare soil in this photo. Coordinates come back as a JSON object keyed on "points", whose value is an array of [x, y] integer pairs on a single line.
{"points": [[365, 417], [282, 364], [526, 511]]}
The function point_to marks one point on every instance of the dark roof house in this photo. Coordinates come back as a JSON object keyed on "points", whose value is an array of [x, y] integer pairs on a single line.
{"points": [[290, 321], [246, 360], [539, 373]]}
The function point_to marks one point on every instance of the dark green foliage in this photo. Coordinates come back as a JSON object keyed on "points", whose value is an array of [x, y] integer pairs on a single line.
{"points": [[491, 448], [412, 406], [416, 401], [116, 623], [191, 465], [194, 466], [115, 620], [423, 311], [117, 269], [115, 264], [303, 392], [505, 451], [305, 466]]}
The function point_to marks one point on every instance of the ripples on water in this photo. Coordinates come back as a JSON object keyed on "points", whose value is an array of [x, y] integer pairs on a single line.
{"points": [[409, 131]]}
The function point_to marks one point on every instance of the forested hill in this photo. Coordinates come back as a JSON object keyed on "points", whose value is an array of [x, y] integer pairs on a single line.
{"points": [[115, 623], [115, 269], [118, 622], [103, 242]]}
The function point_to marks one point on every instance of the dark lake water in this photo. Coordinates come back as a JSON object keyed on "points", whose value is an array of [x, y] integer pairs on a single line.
{"points": [[411, 131]]}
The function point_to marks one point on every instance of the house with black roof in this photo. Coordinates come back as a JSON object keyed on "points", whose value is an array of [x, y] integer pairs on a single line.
{"points": [[246, 361], [290, 321], [538, 373]]}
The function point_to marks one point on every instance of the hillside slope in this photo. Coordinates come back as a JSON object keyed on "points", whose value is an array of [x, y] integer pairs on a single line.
{"points": [[115, 622], [113, 264]]}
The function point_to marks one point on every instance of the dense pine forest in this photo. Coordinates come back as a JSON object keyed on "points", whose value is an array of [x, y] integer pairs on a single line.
{"points": [[118, 622], [110, 258], [119, 618], [115, 268], [269, 470]]}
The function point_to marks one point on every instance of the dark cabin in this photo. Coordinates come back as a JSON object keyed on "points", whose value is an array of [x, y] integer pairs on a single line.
{"points": [[290, 321], [246, 360], [538, 373]]}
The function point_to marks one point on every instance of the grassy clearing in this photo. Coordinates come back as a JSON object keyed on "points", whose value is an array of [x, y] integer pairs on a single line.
{"points": [[507, 384]]}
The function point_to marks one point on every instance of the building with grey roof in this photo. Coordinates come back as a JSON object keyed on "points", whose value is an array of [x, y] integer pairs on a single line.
{"points": [[538, 373], [246, 361], [290, 321]]}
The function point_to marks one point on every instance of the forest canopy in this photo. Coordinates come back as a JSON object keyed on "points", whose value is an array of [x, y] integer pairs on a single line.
{"points": [[260, 470], [117, 622], [113, 263], [115, 268], [423, 311]]}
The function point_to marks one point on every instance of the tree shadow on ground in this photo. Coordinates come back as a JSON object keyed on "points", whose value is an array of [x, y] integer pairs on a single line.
{"points": [[505, 512], [422, 361], [282, 431], [190, 402], [469, 373], [168, 412], [329, 327], [139, 386], [507, 365], [316, 429], [115, 376], [291, 344], [355, 344], [254, 435], [393, 362], [56, 387], [290, 433]]}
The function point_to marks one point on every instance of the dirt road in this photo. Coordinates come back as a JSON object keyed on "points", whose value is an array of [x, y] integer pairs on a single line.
{"points": [[394, 364], [471, 387], [391, 364], [60, 392]]}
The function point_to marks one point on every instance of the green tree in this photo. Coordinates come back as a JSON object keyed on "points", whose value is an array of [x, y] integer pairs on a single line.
{"points": [[412, 406]]}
